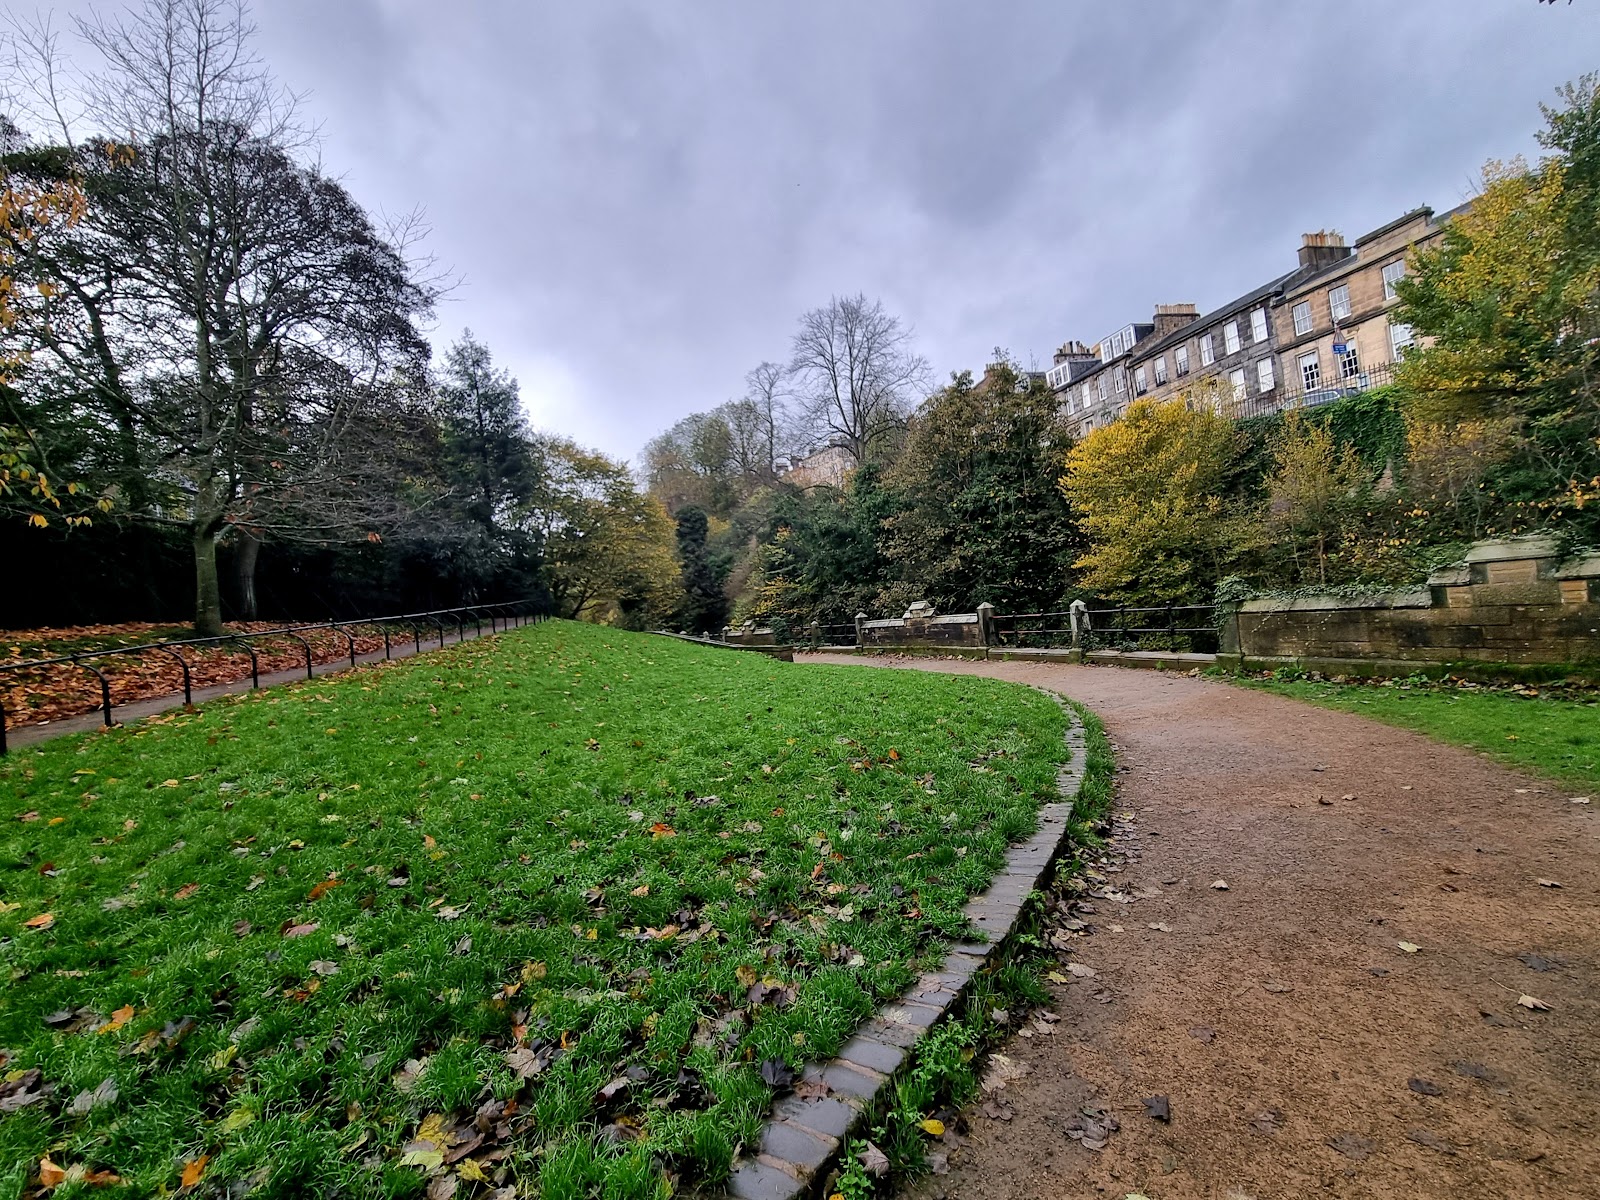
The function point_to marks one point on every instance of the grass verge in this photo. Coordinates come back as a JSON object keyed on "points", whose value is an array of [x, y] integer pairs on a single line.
{"points": [[924, 1117], [538, 912], [1555, 736]]}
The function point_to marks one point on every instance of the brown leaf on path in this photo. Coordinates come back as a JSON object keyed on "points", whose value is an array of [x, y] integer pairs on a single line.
{"points": [[1268, 1121], [1424, 1087], [1159, 1108], [1203, 1033], [1532, 1003], [1219, 885], [1431, 1140], [812, 1089], [1273, 985], [1547, 883], [1353, 1145]]}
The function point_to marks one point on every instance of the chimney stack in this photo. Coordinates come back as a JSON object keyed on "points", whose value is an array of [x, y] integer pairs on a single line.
{"points": [[1322, 248], [1071, 351], [1172, 317]]}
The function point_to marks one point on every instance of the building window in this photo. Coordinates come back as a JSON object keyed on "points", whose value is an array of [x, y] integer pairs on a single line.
{"points": [[1302, 317], [1207, 355], [1122, 380], [1141, 383], [1265, 380], [1161, 370], [1400, 339], [1393, 273], [1310, 371], [1236, 381], [1230, 337], [1349, 362], [1180, 360], [1084, 393], [1258, 325], [1339, 302], [1102, 387]]}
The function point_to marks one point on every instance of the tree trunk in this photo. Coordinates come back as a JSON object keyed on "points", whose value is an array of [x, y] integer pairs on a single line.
{"points": [[245, 556], [207, 592]]}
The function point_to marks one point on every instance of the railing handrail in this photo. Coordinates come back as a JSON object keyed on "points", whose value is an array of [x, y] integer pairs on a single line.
{"points": [[169, 645]]}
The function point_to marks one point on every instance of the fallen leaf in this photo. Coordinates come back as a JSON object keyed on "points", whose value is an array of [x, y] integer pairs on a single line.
{"points": [[323, 967], [874, 1160], [221, 1059], [1409, 947], [1532, 1003], [932, 1126], [1161, 925], [1159, 1108], [50, 1175], [194, 1171], [118, 1019], [1082, 971], [1273, 985], [186, 891], [296, 931], [777, 1074], [1432, 1141], [1547, 883], [642, 890], [42, 921], [322, 889], [1219, 885], [1353, 1145], [86, 1101], [255, 882], [662, 830], [471, 1171]]}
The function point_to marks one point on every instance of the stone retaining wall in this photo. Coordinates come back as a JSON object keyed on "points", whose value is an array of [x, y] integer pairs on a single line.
{"points": [[1512, 601]]}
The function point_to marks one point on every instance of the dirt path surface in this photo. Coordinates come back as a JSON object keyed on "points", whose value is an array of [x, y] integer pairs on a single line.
{"points": [[1304, 1051]]}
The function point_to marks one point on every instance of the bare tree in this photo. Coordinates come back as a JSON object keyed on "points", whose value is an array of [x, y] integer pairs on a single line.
{"points": [[855, 372], [766, 394], [216, 280]]}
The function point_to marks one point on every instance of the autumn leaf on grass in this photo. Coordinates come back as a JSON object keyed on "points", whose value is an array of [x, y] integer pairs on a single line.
{"points": [[322, 889], [295, 931], [662, 830], [194, 1171], [186, 891], [42, 921], [118, 1019], [932, 1126]]}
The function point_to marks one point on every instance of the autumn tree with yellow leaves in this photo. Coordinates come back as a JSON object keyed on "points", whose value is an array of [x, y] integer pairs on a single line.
{"points": [[1509, 306]]}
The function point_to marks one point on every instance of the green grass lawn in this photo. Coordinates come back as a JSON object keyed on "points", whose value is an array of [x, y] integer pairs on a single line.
{"points": [[536, 912], [1553, 736]]}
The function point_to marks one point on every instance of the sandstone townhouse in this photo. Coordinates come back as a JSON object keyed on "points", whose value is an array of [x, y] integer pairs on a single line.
{"points": [[1320, 331]]}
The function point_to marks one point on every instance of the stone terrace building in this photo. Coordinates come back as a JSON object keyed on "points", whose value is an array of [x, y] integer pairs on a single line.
{"points": [[1333, 323], [1099, 393]]}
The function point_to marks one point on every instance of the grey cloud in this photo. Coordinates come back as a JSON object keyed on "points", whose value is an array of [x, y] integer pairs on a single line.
{"points": [[642, 197]]}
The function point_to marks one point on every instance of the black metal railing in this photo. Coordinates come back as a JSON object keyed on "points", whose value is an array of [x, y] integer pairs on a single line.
{"points": [[1180, 628], [503, 615], [1299, 396]]}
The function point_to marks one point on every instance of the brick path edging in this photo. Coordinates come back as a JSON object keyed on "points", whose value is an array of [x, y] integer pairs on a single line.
{"points": [[803, 1139]]}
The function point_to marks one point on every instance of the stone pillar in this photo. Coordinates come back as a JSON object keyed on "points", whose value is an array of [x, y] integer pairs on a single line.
{"points": [[1078, 611], [861, 632], [986, 624]]}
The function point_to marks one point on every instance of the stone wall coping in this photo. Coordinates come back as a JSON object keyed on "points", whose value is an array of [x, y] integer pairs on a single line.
{"points": [[1511, 549], [1585, 566], [954, 619], [885, 623], [803, 1139], [1413, 598], [1456, 575]]}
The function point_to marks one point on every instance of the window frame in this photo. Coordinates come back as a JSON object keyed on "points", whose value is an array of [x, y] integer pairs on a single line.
{"points": [[1236, 381], [1208, 353], [1389, 292], [1349, 362], [1397, 348], [1180, 361], [1161, 370], [1230, 338], [1259, 329], [1310, 371], [1343, 292], [1302, 309], [1141, 381], [1266, 376]]}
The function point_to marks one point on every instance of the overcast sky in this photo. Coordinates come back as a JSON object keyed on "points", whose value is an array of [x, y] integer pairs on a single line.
{"points": [[641, 198]]}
